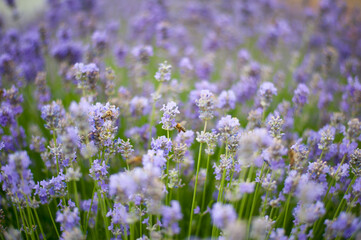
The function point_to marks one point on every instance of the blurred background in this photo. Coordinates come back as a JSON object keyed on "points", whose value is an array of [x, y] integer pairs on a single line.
{"points": [[29, 9]]}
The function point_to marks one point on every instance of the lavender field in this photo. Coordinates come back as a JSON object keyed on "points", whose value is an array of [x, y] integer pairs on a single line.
{"points": [[166, 119]]}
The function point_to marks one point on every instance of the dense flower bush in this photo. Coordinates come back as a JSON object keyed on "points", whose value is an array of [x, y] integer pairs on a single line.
{"points": [[230, 119]]}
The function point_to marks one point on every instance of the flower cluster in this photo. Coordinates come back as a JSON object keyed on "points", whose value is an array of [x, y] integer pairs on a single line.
{"points": [[180, 120]]}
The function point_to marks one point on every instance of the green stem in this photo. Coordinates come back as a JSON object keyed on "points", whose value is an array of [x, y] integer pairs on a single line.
{"points": [[327, 200], [16, 216], [245, 196], [153, 115], [214, 229], [76, 194], [286, 213], [266, 198], [140, 222], [104, 213], [30, 215], [255, 197], [203, 195], [39, 223], [340, 206], [168, 160], [333, 179], [195, 184], [351, 204], [220, 193], [52, 220], [91, 204], [24, 222], [131, 231], [205, 184], [57, 160]]}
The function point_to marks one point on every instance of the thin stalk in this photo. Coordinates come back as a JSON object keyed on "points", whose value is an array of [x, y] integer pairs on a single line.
{"points": [[103, 210], [205, 184], [153, 115], [57, 160], [125, 232], [140, 222], [243, 202], [16, 215], [76, 194], [255, 196], [333, 179], [214, 230], [168, 160], [340, 206], [203, 195], [266, 198], [52, 220], [24, 222], [39, 223], [131, 231], [30, 216], [286, 211], [91, 204], [351, 204], [195, 184]]}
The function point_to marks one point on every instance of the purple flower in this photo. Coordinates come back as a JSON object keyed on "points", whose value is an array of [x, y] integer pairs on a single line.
{"points": [[164, 72], [327, 136], [53, 188], [210, 138], [138, 184], [142, 53], [52, 114], [354, 129], [222, 215], [86, 75], [309, 191], [266, 91], [170, 217], [246, 187], [102, 120], [227, 100], [251, 143], [85, 205], [125, 148], [186, 137], [120, 52], [119, 217], [301, 94], [274, 154], [309, 213], [225, 165], [185, 65], [100, 40], [170, 111], [344, 225], [67, 51], [162, 143], [98, 172], [139, 106], [355, 162], [16, 177], [155, 158], [227, 127], [206, 105], [278, 234], [275, 126], [122, 186], [119, 214], [68, 217]]}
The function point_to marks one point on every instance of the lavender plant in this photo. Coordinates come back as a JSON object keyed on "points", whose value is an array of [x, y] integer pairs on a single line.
{"points": [[180, 120]]}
